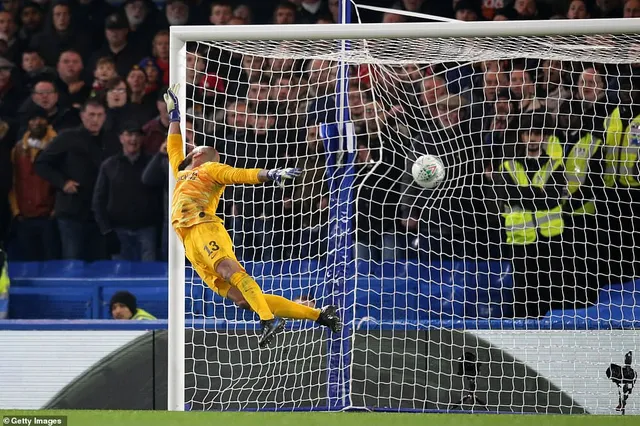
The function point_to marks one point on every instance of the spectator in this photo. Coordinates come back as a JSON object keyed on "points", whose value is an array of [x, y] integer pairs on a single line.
{"points": [[176, 12], [309, 11], [71, 164], [73, 89], [45, 95], [285, 13], [118, 108], [12, 7], [551, 85], [631, 9], [201, 85], [523, 89], [485, 96], [143, 17], [7, 141], [124, 53], [34, 68], [243, 12], [529, 9], [153, 74], [32, 20], [59, 35], [578, 9], [32, 197], [123, 204], [504, 109], [235, 137], [334, 10], [124, 306], [8, 33], [141, 104], [156, 175], [11, 91], [221, 12], [321, 81], [308, 196], [587, 213], [104, 71], [536, 244], [160, 54], [491, 7], [155, 130], [466, 10]]}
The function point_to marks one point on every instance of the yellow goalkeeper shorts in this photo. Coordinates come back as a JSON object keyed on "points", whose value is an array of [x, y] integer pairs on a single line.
{"points": [[206, 245]]}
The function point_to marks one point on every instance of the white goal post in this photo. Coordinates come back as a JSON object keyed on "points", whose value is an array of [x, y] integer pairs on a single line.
{"points": [[385, 46]]}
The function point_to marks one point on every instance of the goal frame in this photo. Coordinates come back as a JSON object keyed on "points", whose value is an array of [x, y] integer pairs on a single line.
{"points": [[180, 35]]}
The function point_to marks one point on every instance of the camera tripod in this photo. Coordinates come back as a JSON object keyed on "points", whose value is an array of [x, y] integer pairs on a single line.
{"points": [[468, 369]]}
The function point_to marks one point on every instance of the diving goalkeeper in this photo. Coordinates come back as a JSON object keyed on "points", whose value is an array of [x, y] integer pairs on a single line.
{"points": [[200, 181]]}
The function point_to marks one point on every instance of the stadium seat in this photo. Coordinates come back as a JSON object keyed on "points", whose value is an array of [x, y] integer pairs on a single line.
{"points": [[51, 303], [488, 287], [626, 294]]}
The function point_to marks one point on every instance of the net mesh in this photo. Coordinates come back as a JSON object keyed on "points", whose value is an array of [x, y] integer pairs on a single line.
{"points": [[454, 290]]}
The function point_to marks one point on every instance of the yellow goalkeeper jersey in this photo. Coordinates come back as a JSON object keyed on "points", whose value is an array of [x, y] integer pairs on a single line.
{"points": [[198, 191]]}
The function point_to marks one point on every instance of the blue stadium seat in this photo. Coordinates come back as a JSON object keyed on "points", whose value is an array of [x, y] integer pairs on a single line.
{"points": [[617, 302], [626, 294], [51, 303], [368, 268], [121, 268], [488, 287]]}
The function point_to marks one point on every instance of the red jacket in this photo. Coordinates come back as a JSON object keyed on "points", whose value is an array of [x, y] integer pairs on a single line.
{"points": [[31, 195]]}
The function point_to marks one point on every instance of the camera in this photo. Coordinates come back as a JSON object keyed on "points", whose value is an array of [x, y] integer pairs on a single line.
{"points": [[625, 378]]}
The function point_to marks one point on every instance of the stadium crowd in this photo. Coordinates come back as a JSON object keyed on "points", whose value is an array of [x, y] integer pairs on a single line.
{"points": [[83, 166]]}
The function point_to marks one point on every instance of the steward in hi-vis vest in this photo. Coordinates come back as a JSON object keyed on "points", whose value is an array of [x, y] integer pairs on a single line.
{"points": [[532, 187], [586, 212], [622, 147]]}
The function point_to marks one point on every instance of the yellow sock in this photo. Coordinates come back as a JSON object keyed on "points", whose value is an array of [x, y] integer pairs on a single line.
{"points": [[285, 308], [252, 294]]}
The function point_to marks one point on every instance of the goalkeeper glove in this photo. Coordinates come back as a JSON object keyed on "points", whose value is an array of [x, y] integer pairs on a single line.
{"points": [[171, 99], [280, 175]]}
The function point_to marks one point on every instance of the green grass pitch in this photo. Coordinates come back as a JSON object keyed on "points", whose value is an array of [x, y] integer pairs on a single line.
{"points": [[161, 418]]}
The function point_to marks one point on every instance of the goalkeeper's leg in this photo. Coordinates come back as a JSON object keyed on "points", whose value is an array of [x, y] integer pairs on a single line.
{"points": [[285, 308], [231, 271]]}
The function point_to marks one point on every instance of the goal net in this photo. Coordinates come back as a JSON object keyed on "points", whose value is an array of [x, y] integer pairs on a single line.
{"points": [[510, 287]]}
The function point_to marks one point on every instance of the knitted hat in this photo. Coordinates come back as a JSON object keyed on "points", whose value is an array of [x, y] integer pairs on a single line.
{"points": [[127, 299]]}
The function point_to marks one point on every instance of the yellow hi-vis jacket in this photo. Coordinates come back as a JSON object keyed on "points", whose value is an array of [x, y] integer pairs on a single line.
{"points": [[577, 168], [141, 314], [522, 226], [622, 144]]}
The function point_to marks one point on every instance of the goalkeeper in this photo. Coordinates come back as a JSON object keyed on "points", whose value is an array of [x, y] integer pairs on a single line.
{"points": [[201, 180]]}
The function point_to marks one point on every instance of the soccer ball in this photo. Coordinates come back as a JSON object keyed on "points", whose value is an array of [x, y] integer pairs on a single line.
{"points": [[428, 171]]}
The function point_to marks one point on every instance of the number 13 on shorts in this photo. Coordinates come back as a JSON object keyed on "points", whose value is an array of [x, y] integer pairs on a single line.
{"points": [[211, 248]]}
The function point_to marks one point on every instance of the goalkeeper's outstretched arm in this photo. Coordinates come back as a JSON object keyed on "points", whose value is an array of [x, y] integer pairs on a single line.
{"points": [[219, 173], [175, 149], [227, 175]]}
